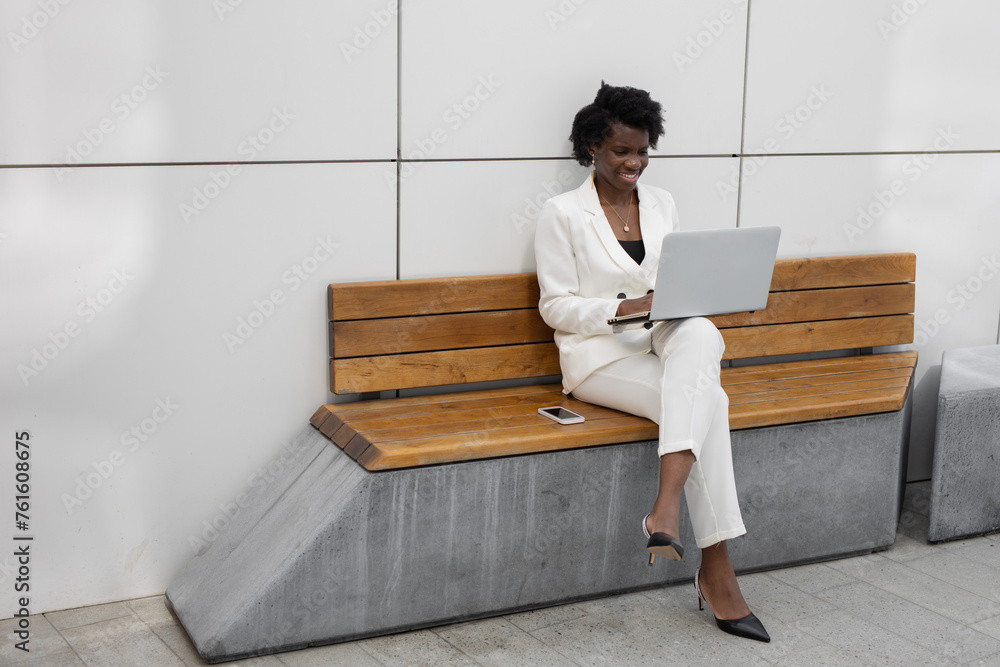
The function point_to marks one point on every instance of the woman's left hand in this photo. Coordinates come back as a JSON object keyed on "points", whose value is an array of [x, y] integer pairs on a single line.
{"points": [[639, 305]]}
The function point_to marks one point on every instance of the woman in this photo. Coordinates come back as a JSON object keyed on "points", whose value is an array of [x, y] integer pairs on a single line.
{"points": [[597, 250]]}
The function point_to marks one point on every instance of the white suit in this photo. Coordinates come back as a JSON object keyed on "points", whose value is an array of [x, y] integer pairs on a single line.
{"points": [[669, 374]]}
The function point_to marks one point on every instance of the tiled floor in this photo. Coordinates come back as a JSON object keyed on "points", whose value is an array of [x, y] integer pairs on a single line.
{"points": [[915, 604]]}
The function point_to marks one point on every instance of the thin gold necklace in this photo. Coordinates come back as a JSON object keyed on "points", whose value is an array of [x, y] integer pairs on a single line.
{"points": [[628, 216]]}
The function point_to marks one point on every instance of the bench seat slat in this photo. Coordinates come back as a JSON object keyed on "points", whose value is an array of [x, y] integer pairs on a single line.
{"points": [[351, 407], [775, 339], [810, 408], [543, 437], [389, 410], [470, 425], [472, 418], [826, 382], [767, 393], [429, 369]]}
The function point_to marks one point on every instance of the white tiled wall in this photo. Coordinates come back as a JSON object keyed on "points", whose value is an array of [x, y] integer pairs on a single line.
{"points": [[206, 282], [861, 76], [504, 79], [121, 81]]}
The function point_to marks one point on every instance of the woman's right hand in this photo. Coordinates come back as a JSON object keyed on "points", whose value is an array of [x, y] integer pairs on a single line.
{"points": [[639, 305]]}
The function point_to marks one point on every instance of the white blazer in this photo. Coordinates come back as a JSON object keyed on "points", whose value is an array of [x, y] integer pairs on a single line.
{"points": [[582, 269]]}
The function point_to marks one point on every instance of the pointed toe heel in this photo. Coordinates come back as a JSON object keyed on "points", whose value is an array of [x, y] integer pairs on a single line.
{"points": [[661, 544], [748, 627]]}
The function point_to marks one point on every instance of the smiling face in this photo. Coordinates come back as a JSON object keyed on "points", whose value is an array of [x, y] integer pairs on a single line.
{"points": [[622, 157]]}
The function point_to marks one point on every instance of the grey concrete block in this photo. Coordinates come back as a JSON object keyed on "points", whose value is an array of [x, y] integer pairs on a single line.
{"points": [[965, 483], [330, 552]]}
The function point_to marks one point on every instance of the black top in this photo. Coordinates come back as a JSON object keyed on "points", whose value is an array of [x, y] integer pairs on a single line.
{"points": [[635, 249]]}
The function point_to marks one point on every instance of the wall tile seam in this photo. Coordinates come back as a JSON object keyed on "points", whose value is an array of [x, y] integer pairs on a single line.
{"points": [[535, 158]]}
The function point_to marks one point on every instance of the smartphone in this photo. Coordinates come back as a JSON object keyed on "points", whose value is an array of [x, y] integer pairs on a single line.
{"points": [[561, 415]]}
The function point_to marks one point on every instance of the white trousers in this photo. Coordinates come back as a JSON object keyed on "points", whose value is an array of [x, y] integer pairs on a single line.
{"points": [[677, 386]]}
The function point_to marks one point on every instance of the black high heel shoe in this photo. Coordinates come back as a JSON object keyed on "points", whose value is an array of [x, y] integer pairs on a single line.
{"points": [[661, 544], [749, 626]]}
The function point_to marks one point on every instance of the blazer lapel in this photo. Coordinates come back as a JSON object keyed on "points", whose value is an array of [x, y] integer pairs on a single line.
{"points": [[653, 228], [592, 210]]}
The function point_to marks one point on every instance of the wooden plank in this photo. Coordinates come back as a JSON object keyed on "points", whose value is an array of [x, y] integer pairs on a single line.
{"points": [[769, 340], [819, 380], [826, 304], [843, 271], [426, 401], [542, 438], [389, 409], [438, 440], [523, 440], [320, 416], [429, 369], [438, 414], [343, 435], [808, 367], [428, 296], [357, 446], [471, 428], [817, 390], [469, 421], [332, 424], [793, 411], [398, 335]]}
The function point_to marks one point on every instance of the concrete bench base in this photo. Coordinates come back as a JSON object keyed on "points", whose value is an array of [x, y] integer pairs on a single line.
{"points": [[965, 482], [329, 552]]}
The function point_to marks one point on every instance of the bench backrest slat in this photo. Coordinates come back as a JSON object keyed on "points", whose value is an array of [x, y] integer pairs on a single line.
{"points": [[430, 296], [843, 271], [443, 331], [431, 369], [802, 337], [399, 335]]}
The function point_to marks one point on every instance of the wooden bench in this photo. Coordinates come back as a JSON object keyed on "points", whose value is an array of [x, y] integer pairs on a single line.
{"points": [[397, 513], [396, 335]]}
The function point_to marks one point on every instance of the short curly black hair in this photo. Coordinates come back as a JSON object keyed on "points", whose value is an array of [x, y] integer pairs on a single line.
{"points": [[614, 104]]}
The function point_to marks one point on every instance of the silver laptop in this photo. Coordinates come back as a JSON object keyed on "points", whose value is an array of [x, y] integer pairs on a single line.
{"points": [[709, 273]]}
